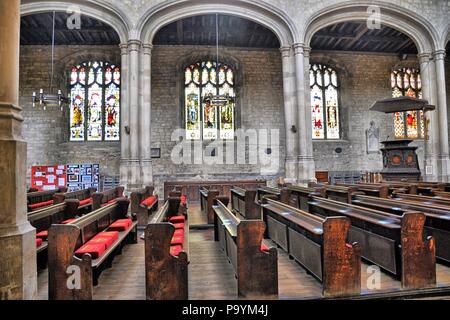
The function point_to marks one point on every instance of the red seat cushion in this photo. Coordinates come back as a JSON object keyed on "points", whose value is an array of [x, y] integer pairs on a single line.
{"points": [[85, 201], [177, 241], [264, 248], [43, 235], [94, 249], [183, 199], [38, 242], [179, 233], [68, 221], [177, 219], [175, 250], [178, 225], [150, 201], [112, 201], [107, 241], [120, 225], [111, 234], [40, 205]]}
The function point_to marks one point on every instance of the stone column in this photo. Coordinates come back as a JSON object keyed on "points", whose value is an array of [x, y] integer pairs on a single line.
{"points": [[290, 114], [428, 76], [306, 166], [134, 179], [18, 276], [125, 114], [443, 156], [145, 117]]}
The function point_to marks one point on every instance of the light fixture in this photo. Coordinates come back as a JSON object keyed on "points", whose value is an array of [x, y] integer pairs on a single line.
{"points": [[50, 99], [216, 100]]}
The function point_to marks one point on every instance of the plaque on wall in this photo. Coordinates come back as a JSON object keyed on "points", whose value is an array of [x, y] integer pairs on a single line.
{"points": [[372, 138]]}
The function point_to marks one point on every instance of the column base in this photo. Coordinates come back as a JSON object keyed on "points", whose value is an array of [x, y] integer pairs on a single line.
{"points": [[18, 270], [130, 174], [290, 171], [306, 170], [147, 172], [440, 169]]}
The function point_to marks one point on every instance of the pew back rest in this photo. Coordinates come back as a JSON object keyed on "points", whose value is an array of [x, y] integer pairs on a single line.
{"points": [[43, 196], [42, 219], [100, 198], [138, 196], [79, 195]]}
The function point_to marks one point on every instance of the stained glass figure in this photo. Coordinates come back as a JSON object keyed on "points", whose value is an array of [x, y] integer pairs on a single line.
{"points": [[202, 119], [96, 83], [324, 102], [409, 124]]}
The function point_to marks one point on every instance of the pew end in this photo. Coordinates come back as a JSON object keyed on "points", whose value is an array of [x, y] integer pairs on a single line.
{"points": [[418, 254]]}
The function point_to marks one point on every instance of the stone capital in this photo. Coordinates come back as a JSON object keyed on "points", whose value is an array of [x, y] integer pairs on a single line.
{"points": [[298, 48], [285, 51], [147, 48], [424, 57], [439, 55], [123, 49], [134, 45]]}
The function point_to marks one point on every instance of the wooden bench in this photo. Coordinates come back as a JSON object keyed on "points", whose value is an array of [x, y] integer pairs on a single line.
{"points": [[109, 196], [395, 243], [428, 200], [41, 199], [340, 193], [72, 273], [318, 244], [43, 218], [243, 203], [437, 223], [299, 196], [207, 198], [143, 203], [84, 196], [183, 198], [256, 267], [166, 253], [380, 190]]}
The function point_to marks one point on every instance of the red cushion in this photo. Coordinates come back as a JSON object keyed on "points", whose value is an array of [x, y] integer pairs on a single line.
{"points": [[41, 204], [94, 249], [176, 241], [175, 250], [111, 234], [68, 221], [120, 225], [38, 242], [150, 201], [112, 201], [178, 225], [183, 199], [179, 233], [107, 241], [43, 235], [128, 221], [177, 219], [85, 201], [264, 248]]}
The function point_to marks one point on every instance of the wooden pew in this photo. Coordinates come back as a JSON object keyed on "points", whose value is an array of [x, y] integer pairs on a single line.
{"points": [[243, 203], [176, 193], [100, 199], [279, 194], [207, 198], [393, 187], [318, 244], [71, 275], [299, 196], [340, 193], [166, 263], [241, 240], [427, 200], [395, 243], [41, 199], [437, 223], [43, 218], [442, 194], [143, 203], [380, 190], [84, 196]]}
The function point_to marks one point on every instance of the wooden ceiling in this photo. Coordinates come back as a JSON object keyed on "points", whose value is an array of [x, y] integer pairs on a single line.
{"points": [[36, 29], [355, 36], [201, 30]]}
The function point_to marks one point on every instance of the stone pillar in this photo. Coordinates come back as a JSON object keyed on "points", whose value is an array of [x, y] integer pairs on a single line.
{"points": [[443, 156], [145, 116], [134, 179], [290, 114], [18, 276], [428, 76], [125, 114], [306, 166]]}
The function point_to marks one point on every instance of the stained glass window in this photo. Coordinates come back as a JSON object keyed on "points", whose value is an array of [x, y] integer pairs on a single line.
{"points": [[409, 124], [202, 119], [95, 102], [324, 85]]}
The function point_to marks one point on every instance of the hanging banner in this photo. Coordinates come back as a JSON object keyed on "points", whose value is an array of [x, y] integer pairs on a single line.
{"points": [[45, 178]]}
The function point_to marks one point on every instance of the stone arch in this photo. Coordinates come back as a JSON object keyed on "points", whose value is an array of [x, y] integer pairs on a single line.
{"points": [[262, 13], [446, 36], [103, 13], [410, 23]]}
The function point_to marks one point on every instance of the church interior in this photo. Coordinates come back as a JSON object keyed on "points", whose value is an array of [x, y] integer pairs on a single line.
{"points": [[223, 150]]}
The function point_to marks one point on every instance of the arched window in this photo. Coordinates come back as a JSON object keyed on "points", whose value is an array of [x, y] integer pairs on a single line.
{"points": [[95, 102], [409, 124], [202, 119], [324, 85]]}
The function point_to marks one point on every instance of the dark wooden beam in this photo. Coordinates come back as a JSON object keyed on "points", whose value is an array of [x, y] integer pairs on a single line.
{"points": [[362, 29], [180, 33]]}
